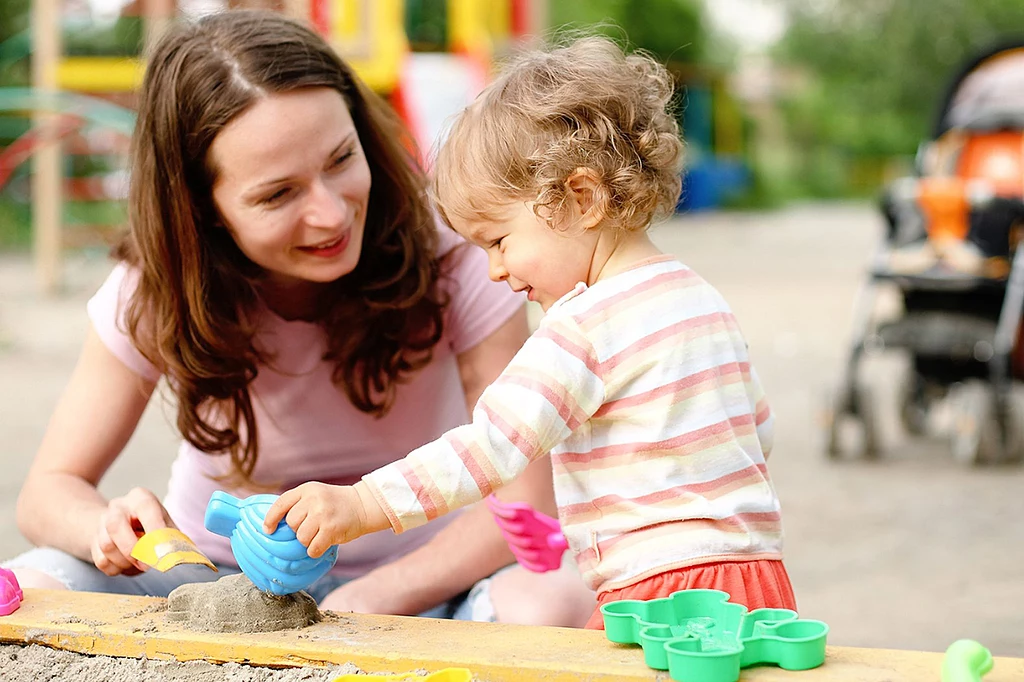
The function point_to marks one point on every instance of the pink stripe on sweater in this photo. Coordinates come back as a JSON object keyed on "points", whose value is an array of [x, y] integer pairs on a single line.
{"points": [[729, 369], [745, 522], [629, 295], [479, 467], [764, 411], [678, 329], [430, 509], [524, 441], [676, 443], [609, 504], [570, 347], [563, 402]]}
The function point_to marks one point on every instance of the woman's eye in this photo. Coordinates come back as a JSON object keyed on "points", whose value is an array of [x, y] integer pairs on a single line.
{"points": [[341, 159], [277, 196]]}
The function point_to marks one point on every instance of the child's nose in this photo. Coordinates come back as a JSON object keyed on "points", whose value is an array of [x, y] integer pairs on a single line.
{"points": [[496, 268]]}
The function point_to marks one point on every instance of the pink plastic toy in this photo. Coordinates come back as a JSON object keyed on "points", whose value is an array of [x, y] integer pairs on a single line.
{"points": [[10, 593], [535, 539]]}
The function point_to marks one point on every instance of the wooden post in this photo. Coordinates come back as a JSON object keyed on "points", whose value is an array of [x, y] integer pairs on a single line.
{"points": [[300, 10], [538, 17], [47, 197], [156, 17]]}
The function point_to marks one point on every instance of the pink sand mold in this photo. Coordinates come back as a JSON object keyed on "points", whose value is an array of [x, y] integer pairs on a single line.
{"points": [[535, 538], [10, 593]]}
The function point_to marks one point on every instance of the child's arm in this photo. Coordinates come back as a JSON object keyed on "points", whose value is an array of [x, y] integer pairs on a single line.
{"points": [[550, 389], [323, 515]]}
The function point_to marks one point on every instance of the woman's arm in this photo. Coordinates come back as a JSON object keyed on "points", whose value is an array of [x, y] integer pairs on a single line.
{"points": [[471, 547], [95, 417]]}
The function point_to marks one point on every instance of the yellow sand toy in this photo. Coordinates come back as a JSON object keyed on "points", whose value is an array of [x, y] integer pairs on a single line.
{"points": [[165, 548], [443, 675]]}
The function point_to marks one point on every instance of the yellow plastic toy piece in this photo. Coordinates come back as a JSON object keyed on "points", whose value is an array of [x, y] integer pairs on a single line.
{"points": [[165, 548], [443, 675]]}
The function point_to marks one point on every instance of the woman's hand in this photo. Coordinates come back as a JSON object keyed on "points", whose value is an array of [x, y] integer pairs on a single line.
{"points": [[365, 595], [323, 515], [121, 524]]}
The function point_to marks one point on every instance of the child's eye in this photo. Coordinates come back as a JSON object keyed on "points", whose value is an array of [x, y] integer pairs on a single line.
{"points": [[497, 242]]}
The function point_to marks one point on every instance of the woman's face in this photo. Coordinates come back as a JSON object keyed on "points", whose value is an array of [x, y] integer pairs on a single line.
{"points": [[292, 185]]}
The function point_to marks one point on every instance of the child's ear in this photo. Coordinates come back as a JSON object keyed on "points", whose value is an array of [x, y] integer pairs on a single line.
{"points": [[587, 197]]}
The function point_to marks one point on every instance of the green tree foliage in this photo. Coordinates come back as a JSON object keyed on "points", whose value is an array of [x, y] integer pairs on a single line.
{"points": [[877, 72], [426, 24], [14, 16], [671, 29], [119, 38], [14, 41]]}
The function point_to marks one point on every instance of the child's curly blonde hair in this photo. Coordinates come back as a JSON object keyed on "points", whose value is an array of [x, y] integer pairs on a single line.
{"points": [[551, 113]]}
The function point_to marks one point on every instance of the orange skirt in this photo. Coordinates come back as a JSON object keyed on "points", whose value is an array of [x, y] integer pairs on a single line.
{"points": [[756, 584]]}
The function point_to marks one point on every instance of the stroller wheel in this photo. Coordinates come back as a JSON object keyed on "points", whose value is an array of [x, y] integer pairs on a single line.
{"points": [[850, 425], [915, 406], [866, 412], [975, 437]]}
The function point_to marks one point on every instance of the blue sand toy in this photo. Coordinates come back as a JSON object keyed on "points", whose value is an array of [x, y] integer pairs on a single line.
{"points": [[276, 563]]}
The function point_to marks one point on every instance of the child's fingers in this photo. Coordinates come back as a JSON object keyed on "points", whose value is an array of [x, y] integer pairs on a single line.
{"points": [[278, 510], [297, 516], [305, 530], [320, 544]]}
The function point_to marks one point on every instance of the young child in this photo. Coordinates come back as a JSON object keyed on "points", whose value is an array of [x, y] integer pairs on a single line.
{"points": [[638, 380]]}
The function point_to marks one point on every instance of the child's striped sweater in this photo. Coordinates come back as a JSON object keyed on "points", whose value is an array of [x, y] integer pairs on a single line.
{"points": [[641, 388]]}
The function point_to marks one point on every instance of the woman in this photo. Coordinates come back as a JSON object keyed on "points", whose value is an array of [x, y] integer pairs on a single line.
{"points": [[285, 274]]}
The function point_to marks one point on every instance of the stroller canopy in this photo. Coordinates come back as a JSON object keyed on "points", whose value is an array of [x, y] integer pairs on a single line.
{"points": [[988, 94]]}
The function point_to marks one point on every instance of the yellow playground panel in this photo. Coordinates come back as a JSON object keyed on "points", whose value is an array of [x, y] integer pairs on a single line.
{"points": [[369, 34]]}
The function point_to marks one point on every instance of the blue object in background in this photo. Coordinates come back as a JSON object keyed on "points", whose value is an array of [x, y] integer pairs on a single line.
{"points": [[708, 182], [709, 179], [277, 563], [698, 119]]}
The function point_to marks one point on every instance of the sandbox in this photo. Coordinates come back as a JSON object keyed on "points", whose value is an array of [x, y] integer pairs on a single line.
{"points": [[88, 627]]}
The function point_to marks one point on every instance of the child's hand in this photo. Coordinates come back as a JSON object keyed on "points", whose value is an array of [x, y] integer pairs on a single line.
{"points": [[324, 515], [321, 515]]}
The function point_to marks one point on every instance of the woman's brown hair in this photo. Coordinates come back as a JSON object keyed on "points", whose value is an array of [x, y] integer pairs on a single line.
{"points": [[195, 310]]}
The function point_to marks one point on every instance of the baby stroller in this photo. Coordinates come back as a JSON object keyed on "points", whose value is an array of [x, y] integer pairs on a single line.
{"points": [[950, 250]]}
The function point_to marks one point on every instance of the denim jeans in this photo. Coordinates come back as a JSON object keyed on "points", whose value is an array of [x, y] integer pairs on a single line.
{"points": [[83, 576]]}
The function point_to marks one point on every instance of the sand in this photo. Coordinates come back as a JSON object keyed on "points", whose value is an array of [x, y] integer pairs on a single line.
{"points": [[234, 604], [36, 663]]}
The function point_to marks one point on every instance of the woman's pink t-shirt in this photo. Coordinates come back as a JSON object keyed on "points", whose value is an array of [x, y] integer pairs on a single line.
{"points": [[308, 429]]}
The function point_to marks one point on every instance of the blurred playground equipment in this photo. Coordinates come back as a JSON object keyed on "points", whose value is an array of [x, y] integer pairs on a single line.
{"points": [[952, 250], [715, 168], [429, 58], [75, 122]]}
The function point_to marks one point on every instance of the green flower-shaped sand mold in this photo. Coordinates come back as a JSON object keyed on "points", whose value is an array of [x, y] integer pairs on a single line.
{"points": [[700, 636]]}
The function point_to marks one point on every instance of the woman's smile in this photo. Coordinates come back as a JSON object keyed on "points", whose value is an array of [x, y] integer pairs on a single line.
{"points": [[328, 249]]}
